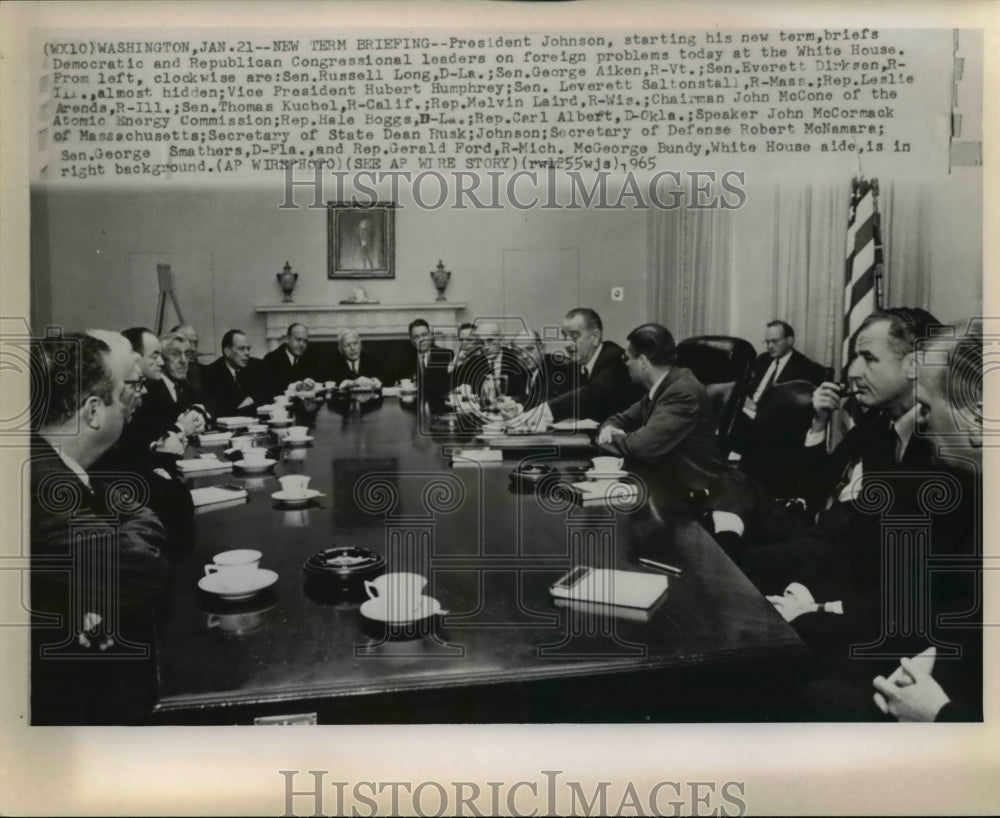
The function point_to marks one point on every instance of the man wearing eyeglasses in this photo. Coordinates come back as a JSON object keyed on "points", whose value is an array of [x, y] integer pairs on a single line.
{"points": [[89, 617]]}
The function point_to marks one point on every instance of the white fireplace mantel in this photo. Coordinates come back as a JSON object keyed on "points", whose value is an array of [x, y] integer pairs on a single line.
{"points": [[376, 321]]}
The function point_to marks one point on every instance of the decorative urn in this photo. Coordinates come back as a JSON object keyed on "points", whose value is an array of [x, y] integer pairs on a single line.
{"points": [[287, 279], [440, 276]]}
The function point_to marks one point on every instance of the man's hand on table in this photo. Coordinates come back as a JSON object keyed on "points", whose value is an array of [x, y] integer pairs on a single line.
{"points": [[608, 435]]}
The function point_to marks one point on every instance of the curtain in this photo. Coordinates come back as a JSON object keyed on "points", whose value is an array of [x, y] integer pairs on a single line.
{"points": [[799, 260], [691, 265]]}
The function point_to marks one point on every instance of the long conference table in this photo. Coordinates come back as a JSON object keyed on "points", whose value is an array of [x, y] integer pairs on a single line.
{"points": [[711, 649]]}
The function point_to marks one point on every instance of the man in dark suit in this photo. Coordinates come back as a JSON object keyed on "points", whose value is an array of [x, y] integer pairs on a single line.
{"points": [[87, 665], [840, 557], [176, 375], [195, 369], [154, 438], [668, 435], [427, 364], [599, 384], [353, 368], [233, 383], [290, 362], [771, 445], [161, 423], [492, 370]]}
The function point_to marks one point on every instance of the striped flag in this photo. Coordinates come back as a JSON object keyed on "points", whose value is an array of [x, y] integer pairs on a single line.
{"points": [[863, 273]]}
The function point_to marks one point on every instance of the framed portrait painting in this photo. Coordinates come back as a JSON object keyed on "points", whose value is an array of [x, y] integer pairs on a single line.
{"points": [[361, 240]]}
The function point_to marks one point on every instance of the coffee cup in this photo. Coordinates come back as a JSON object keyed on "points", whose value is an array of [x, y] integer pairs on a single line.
{"points": [[281, 400], [255, 455], [235, 564], [297, 432], [406, 383], [295, 485], [604, 465], [402, 593]]}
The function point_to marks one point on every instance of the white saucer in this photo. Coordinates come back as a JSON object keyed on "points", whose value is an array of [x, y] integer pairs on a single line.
{"points": [[279, 424], [293, 500], [376, 609], [606, 475], [254, 468], [297, 441], [242, 588]]}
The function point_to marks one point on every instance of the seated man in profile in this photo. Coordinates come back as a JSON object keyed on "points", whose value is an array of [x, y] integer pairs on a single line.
{"points": [[234, 383], [176, 376], [428, 365], [194, 378], [668, 435], [600, 385], [492, 371], [96, 554], [942, 605], [354, 369], [161, 422], [154, 438], [291, 362]]}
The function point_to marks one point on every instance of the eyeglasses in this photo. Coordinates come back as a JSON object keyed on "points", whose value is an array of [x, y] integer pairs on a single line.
{"points": [[138, 384]]}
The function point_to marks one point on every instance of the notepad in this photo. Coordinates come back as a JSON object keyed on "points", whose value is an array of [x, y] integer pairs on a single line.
{"points": [[631, 589], [214, 497], [204, 464]]}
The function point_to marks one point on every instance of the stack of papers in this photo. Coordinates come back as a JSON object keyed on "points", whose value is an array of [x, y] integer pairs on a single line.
{"points": [[235, 422], [214, 438], [390, 391], [469, 457], [204, 464], [631, 589], [211, 498]]}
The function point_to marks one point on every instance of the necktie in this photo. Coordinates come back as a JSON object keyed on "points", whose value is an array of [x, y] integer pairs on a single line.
{"points": [[354, 367], [767, 383], [584, 375]]}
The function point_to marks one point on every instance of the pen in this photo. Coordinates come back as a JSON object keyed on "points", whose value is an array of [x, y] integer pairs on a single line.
{"points": [[670, 569]]}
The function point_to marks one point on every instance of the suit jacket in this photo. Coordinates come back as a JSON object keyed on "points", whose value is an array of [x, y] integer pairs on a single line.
{"points": [[798, 368], [278, 371], [671, 435], [223, 396], [368, 366], [609, 390], [434, 381], [156, 415], [88, 686]]}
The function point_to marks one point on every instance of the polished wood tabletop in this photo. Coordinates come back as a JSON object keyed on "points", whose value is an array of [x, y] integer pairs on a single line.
{"points": [[489, 547]]}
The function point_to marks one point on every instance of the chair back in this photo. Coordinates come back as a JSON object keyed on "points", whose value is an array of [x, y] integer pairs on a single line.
{"points": [[722, 363]]}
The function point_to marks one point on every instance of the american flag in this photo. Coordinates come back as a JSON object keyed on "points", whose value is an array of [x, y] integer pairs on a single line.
{"points": [[863, 273]]}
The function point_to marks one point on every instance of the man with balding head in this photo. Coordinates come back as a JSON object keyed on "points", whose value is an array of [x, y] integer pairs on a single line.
{"points": [[234, 382], [291, 362], [353, 368], [87, 388]]}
